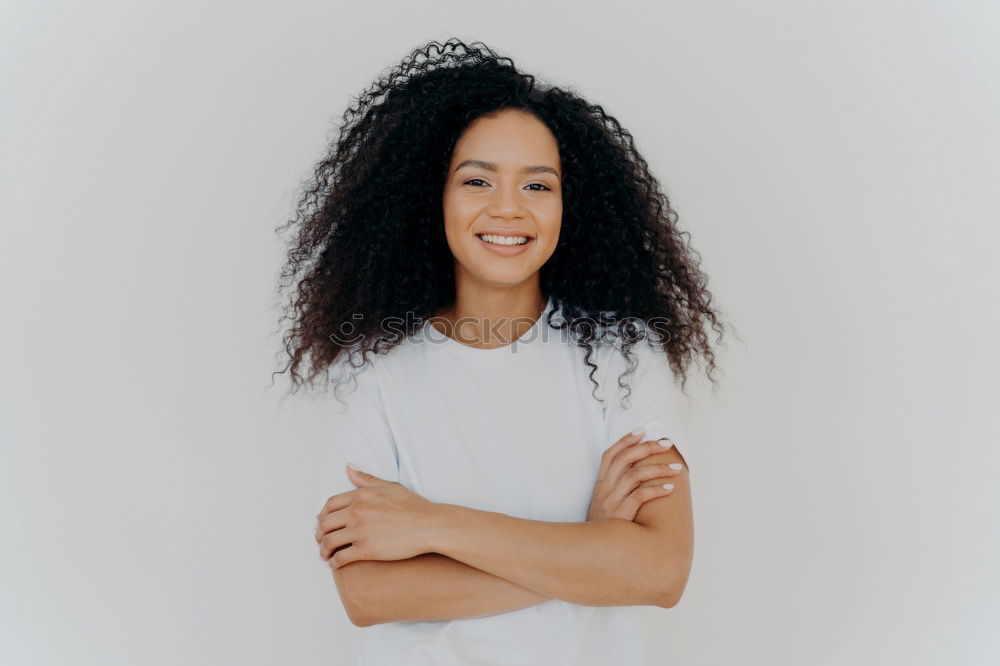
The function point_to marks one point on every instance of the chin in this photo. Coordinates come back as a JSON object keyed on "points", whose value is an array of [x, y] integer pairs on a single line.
{"points": [[505, 279], [501, 276]]}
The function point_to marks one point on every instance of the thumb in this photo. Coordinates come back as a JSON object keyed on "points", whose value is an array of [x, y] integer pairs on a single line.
{"points": [[360, 478]]}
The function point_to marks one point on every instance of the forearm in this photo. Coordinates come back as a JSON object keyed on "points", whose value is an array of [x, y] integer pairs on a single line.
{"points": [[609, 562], [431, 587]]}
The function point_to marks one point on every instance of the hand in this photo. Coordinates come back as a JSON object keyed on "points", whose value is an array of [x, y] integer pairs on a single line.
{"points": [[381, 520], [616, 494]]}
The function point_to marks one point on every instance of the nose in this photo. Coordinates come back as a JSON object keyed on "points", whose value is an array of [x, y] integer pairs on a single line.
{"points": [[505, 202]]}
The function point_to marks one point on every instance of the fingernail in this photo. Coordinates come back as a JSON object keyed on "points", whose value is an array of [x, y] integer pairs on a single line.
{"points": [[353, 467], [637, 431], [668, 486], [665, 443], [676, 466]]}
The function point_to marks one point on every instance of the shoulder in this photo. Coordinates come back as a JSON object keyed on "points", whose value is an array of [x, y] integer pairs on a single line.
{"points": [[641, 355], [355, 361], [643, 368], [351, 363], [354, 377], [402, 362]]}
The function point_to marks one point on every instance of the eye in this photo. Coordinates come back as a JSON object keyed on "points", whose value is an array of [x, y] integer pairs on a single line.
{"points": [[480, 180]]}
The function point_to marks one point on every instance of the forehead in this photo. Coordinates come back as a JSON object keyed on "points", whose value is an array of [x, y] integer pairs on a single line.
{"points": [[510, 138]]}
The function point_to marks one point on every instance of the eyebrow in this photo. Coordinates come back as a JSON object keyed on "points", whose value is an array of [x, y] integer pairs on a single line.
{"points": [[491, 166]]}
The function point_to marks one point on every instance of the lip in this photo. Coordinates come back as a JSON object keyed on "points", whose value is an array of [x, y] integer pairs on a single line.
{"points": [[504, 232], [506, 250]]}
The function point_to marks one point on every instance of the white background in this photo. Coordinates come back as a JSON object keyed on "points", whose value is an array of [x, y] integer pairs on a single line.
{"points": [[835, 162]]}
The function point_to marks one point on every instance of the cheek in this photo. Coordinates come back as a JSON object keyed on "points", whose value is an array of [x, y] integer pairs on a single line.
{"points": [[550, 221], [457, 221], [459, 213]]}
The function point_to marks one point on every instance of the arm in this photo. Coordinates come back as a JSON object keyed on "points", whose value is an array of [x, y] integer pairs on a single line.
{"points": [[434, 587], [610, 562], [427, 588]]}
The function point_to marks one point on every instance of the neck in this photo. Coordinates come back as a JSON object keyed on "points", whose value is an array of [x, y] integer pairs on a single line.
{"points": [[490, 318]]}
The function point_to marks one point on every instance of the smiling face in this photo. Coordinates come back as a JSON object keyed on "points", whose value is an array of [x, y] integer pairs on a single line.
{"points": [[503, 187]]}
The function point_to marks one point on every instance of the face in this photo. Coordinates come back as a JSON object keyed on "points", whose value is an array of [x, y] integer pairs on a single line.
{"points": [[503, 186]]}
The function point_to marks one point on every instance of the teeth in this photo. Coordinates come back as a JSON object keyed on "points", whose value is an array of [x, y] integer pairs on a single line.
{"points": [[504, 240]]}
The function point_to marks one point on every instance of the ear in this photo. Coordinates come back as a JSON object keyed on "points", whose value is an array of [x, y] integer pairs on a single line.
{"points": [[360, 478]]}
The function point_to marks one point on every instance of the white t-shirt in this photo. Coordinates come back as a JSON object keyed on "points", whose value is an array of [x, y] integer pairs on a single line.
{"points": [[515, 430]]}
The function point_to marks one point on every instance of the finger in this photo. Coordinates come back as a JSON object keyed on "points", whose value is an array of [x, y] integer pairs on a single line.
{"points": [[647, 493], [612, 451], [630, 505], [336, 503], [636, 475], [639, 451], [632, 477], [330, 522], [366, 480], [346, 556], [625, 460], [334, 540]]}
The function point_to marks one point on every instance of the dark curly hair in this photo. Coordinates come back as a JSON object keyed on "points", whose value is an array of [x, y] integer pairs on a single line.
{"points": [[369, 233]]}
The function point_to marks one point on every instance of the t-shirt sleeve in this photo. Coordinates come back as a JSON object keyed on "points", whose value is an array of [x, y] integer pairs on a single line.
{"points": [[359, 426], [654, 402]]}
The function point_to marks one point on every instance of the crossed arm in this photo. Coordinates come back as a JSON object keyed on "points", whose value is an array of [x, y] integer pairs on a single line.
{"points": [[487, 563]]}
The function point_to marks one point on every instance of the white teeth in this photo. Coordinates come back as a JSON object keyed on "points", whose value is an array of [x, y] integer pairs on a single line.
{"points": [[504, 240]]}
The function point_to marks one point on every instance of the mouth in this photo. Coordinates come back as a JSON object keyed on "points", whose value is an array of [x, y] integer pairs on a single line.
{"points": [[506, 240], [506, 244]]}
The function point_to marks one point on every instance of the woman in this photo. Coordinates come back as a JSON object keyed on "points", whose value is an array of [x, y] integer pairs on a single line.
{"points": [[480, 257]]}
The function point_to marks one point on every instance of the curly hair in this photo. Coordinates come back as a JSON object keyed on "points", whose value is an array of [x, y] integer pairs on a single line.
{"points": [[369, 235]]}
